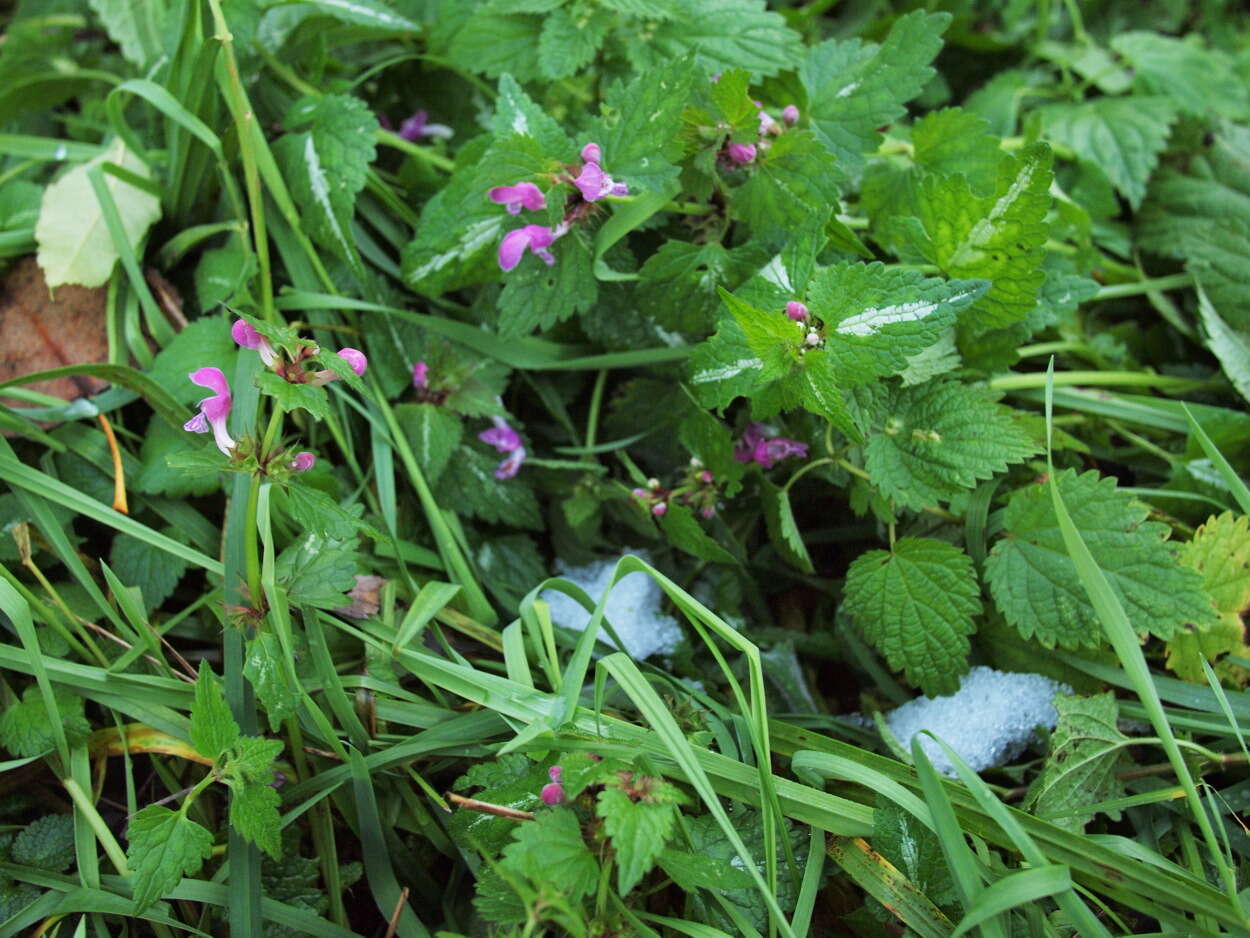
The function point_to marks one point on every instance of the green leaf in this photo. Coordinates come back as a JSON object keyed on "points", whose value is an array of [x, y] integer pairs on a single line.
{"points": [[722, 34], [155, 572], [725, 367], [516, 113], [782, 529], [684, 532], [568, 43], [1203, 217], [854, 87], [313, 510], [1220, 552], [997, 237], [254, 814], [933, 440], [74, 242], [326, 166], [206, 341], [157, 477], [433, 432], [913, 849], [709, 441], [24, 729], [318, 571], [492, 45], [472, 489], [1121, 136], [138, 29], [372, 13], [1200, 81], [640, 123], [292, 397], [1230, 347], [536, 296], [787, 182], [550, 850], [915, 605], [1034, 582], [46, 843], [266, 669], [693, 871], [213, 729], [1086, 750], [679, 282], [638, 831], [164, 847], [251, 759]]}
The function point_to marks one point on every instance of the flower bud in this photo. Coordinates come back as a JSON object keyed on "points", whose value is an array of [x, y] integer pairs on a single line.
{"points": [[303, 462], [790, 114]]}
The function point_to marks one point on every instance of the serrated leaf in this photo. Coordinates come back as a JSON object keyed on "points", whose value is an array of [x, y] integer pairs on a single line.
{"points": [[254, 815], [536, 296], [1035, 585], [693, 871], [213, 729], [684, 532], [154, 571], [157, 477], [318, 571], [371, 13], [313, 510], [1220, 552], [721, 34], [638, 831], [266, 669], [1086, 749], [1230, 347], [550, 850], [291, 397], [433, 432], [517, 113], [679, 282], [725, 367], [913, 849], [24, 729], [1121, 136], [933, 440], [494, 44], [640, 122], [206, 341], [46, 843], [1200, 81], [854, 87], [568, 43], [915, 605], [164, 847], [997, 237], [789, 181], [782, 529], [472, 489], [74, 242]]}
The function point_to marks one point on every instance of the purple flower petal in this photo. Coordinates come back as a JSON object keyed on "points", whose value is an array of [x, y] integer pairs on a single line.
{"points": [[535, 237], [355, 358], [591, 153], [414, 127], [197, 424], [522, 195], [790, 114], [303, 462], [741, 153], [511, 465], [502, 437], [420, 375], [796, 311], [245, 335], [213, 379], [590, 182], [552, 794]]}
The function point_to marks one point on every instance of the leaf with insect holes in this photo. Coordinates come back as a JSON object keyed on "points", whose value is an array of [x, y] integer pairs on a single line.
{"points": [[915, 604]]}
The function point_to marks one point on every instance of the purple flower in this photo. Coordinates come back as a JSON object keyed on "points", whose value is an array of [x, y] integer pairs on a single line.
{"points": [[420, 375], [741, 153], [755, 446], [522, 195], [356, 359], [303, 462], [552, 794], [508, 441], [790, 114], [535, 237], [214, 410], [796, 311], [247, 337], [555, 773], [659, 509], [591, 153], [767, 124], [416, 128], [593, 183]]}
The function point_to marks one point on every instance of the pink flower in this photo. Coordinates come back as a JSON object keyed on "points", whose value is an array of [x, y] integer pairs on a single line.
{"points": [[535, 237], [555, 773], [303, 462], [659, 509], [790, 114], [767, 124], [593, 183], [741, 153], [591, 153], [508, 441], [522, 195], [355, 358], [214, 410], [796, 311], [552, 794], [420, 375], [416, 128], [247, 337], [755, 446]]}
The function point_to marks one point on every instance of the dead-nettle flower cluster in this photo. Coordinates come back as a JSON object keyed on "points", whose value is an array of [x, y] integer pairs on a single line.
{"points": [[592, 184], [501, 435], [737, 154], [759, 444], [215, 409], [697, 489]]}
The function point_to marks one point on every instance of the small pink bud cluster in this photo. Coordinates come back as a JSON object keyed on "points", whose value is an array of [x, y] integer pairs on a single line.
{"points": [[653, 498], [737, 153], [699, 489], [758, 445], [591, 182], [246, 336], [507, 441], [553, 792]]}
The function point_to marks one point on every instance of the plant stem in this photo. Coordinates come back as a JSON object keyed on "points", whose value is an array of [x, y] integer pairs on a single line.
{"points": [[596, 401], [1170, 282], [89, 813], [1142, 379]]}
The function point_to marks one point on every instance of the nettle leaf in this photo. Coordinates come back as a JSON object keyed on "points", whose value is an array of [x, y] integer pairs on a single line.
{"points": [[434, 433], [679, 282], [164, 847], [932, 441], [783, 531], [722, 34], [913, 849], [640, 123], [206, 341], [471, 488], [1086, 750], [536, 296], [788, 182], [1220, 552], [291, 397], [46, 843], [915, 605], [267, 669], [24, 728], [318, 571], [494, 44], [75, 245], [313, 510], [517, 113], [326, 166], [1203, 218], [725, 367], [254, 801], [157, 477], [154, 571], [1121, 136], [997, 237], [569, 43], [876, 317], [854, 87], [684, 532], [550, 851], [1034, 582], [638, 831], [213, 729], [1199, 80]]}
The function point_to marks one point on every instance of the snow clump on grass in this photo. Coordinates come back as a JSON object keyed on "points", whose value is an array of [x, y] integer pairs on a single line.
{"points": [[988, 721], [633, 609]]}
